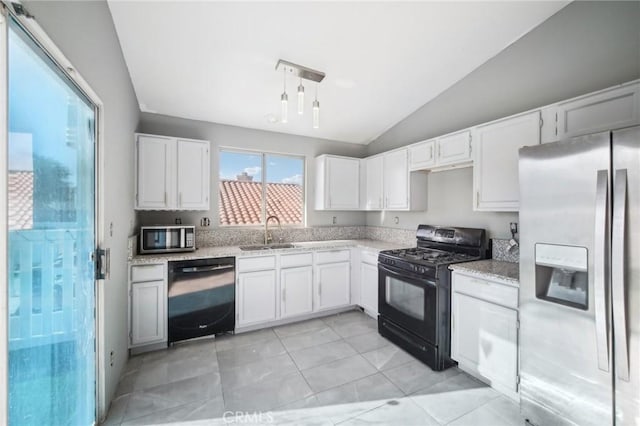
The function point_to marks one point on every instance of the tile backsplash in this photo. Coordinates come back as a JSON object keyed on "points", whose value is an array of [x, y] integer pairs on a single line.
{"points": [[502, 250], [238, 236]]}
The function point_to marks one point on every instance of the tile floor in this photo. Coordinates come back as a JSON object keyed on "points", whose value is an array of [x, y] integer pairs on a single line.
{"points": [[332, 371]]}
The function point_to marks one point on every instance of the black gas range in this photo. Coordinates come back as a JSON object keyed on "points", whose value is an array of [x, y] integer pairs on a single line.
{"points": [[414, 290]]}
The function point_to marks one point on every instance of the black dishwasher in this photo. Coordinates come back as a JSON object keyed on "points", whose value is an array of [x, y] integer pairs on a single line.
{"points": [[201, 297]]}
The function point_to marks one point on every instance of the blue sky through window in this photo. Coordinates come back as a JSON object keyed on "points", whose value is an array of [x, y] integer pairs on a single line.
{"points": [[280, 168]]}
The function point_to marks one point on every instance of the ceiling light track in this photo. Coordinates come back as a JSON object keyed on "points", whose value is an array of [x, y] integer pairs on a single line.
{"points": [[300, 71], [303, 73]]}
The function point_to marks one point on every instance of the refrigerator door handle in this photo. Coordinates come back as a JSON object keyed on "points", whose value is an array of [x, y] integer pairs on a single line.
{"points": [[600, 268], [617, 275]]}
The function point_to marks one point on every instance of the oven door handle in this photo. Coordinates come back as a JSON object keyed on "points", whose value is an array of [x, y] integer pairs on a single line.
{"points": [[406, 274]]}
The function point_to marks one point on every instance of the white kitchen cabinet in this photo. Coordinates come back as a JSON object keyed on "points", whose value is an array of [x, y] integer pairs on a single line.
{"points": [[396, 180], [402, 189], [422, 155], [454, 149], [193, 175], [332, 279], [171, 173], [296, 288], [484, 331], [369, 287], [147, 305], [155, 156], [495, 167], [374, 185], [256, 293], [337, 183], [605, 110]]}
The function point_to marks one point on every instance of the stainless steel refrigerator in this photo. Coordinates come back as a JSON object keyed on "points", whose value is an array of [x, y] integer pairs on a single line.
{"points": [[580, 281]]}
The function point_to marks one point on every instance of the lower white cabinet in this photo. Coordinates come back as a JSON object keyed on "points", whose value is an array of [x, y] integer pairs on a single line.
{"points": [[296, 291], [256, 292], [147, 305], [369, 287], [484, 331], [332, 285]]}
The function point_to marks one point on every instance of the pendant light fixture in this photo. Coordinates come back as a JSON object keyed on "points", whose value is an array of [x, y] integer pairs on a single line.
{"points": [[284, 100], [300, 98], [316, 111], [303, 73]]}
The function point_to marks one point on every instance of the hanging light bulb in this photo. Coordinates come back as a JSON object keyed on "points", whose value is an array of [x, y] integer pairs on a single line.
{"points": [[300, 98], [284, 99], [316, 111]]}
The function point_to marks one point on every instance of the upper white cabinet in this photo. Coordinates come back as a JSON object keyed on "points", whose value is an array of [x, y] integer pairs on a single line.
{"points": [[495, 167], [422, 155], [154, 166], [337, 183], [193, 175], [396, 180], [389, 185], [172, 173], [454, 149], [374, 183], [605, 110], [442, 153]]}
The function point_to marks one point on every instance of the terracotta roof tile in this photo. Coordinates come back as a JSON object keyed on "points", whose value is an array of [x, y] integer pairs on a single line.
{"points": [[240, 202], [20, 194]]}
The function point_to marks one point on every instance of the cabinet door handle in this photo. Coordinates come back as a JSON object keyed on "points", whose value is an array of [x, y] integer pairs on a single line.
{"points": [[431, 152], [180, 199], [320, 289], [284, 295], [165, 198]]}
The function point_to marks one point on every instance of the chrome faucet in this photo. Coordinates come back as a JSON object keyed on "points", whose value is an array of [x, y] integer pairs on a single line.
{"points": [[267, 235]]}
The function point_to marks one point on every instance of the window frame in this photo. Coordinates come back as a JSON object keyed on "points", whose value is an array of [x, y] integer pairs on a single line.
{"points": [[263, 208]]}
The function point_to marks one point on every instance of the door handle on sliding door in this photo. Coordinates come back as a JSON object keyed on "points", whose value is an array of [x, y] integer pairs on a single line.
{"points": [[600, 268], [617, 275], [103, 264]]}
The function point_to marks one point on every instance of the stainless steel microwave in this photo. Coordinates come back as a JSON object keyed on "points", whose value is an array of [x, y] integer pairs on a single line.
{"points": [[167, 239]]}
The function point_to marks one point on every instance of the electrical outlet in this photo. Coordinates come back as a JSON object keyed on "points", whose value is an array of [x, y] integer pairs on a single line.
{"points": [[112, 357], [205, 221], [178, 221], [335, 220]]}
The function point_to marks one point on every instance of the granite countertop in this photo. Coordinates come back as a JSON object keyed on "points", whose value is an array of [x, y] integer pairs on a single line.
{"points": [[224, 251], [491, 269]]}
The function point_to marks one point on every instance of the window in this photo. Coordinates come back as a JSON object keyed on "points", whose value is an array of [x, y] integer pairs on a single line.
{"points": [[244, 200]]}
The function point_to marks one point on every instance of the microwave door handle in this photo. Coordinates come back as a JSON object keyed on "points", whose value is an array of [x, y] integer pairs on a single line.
{"points": [[617, 275], [600, 268], [182, 237]]}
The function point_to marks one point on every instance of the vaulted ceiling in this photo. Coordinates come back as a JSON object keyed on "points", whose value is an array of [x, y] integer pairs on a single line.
{"points": [[215, 61]]}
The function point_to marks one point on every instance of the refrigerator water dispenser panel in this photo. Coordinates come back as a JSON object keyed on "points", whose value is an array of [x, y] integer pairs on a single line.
{"points": [[561, 275]]}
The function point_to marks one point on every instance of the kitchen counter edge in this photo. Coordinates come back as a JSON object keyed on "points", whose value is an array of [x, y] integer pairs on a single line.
{"points": [[491, 269], [225, 251]]}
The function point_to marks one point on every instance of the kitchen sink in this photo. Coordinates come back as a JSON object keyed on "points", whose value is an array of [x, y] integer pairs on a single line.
{"points": [[256, 247]]}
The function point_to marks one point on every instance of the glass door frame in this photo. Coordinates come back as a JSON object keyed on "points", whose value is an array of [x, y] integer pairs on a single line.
{"points": [[39, 36]]}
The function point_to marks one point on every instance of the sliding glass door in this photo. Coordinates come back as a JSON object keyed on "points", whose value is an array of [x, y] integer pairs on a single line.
{"points": [[51, 238]]}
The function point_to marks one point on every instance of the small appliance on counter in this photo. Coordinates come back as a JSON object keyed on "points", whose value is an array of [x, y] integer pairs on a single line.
{"points": [[167, 239]]}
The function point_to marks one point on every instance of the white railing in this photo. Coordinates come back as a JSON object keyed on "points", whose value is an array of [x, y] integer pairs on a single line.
{"points": [[46, 274]]}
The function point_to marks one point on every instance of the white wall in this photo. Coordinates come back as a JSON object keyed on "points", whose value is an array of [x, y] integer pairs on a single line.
{"points": [[222, 135], [586, 46], [85, 33]]}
